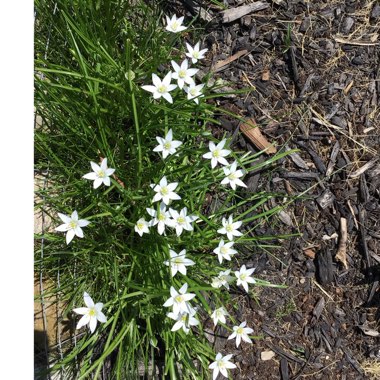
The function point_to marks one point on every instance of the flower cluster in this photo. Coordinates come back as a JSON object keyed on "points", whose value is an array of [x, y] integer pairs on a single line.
{"points": [[163, 215], [182, 73]]}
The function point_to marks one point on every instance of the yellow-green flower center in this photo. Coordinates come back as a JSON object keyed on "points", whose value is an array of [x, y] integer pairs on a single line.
{"points": [[177, 260], [179, 298], [101, 174], [183, 318], [167, 145], [240, 331], [182, 73], [92, 312], [175, 25], [161, 217], [193, 92], [243, 276], [232, 176], [216, 153], [196, 54], [164, 190], [224, 250], [140, 225], [162, 89], [181, 220], [221, 364], [73, 224], [229, 228]]}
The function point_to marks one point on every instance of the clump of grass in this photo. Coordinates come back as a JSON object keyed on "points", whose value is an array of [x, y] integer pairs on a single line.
{"points": [[92, 61]]}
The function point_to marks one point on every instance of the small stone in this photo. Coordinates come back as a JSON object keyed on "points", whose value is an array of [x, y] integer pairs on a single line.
{"points": [[326, 199], [348, 22], [267, 355]]}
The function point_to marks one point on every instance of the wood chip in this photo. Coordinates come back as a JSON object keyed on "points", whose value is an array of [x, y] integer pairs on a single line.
{"points": [[342, 249], [253, 133], [368, 331], [309, 253], [265, 75], [235, 13], [267, 355], [220, 65], [364, 168]]}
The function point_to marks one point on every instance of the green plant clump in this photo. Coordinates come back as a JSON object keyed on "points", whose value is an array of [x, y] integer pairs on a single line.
{"points": [[141, 238]]}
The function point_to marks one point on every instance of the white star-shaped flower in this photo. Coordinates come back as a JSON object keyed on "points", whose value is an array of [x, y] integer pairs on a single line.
{"points": [[165, 191], [223, 279], [232, 176], [244, 277], [194, 53], [142, 227], [183, 74], [72, 226], [161, 88], [194, 92], [161, 218], [182, 221], [175, 24], [184, 320], [219, 315], [241, 332], [178, 262], [230, 228], [221, 364], [224, 251], [101, 174], [91, 314], [217, 153], [179, 300], [167, 145]]}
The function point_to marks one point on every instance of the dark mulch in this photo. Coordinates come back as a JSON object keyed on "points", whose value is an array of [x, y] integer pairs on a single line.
{"points": [[315, 67]]}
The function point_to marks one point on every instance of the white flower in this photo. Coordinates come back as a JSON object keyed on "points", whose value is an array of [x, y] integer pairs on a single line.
{"points": [[165, 191], [241, 332], [217, 153], [194, 53], [175, 24], [178, 262], [161, 218], [221, 364], [101, 174], [179, 300], [72, 226], [224, 251], [161, 88], [223, 279], [182, 221], [91, 314], [194, 92], [244, 277], [167, 145], [219, 315], [230, 228], [142, 227], [183, 74], [232, 176], [184, 320]]}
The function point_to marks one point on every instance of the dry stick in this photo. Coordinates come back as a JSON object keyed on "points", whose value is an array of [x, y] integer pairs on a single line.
{"points": [[220, 64], [322, 121], [354, 42], [342, 249]]}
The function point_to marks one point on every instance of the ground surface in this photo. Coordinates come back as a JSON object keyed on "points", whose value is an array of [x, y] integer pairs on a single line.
{"points": [[316, 70]]}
